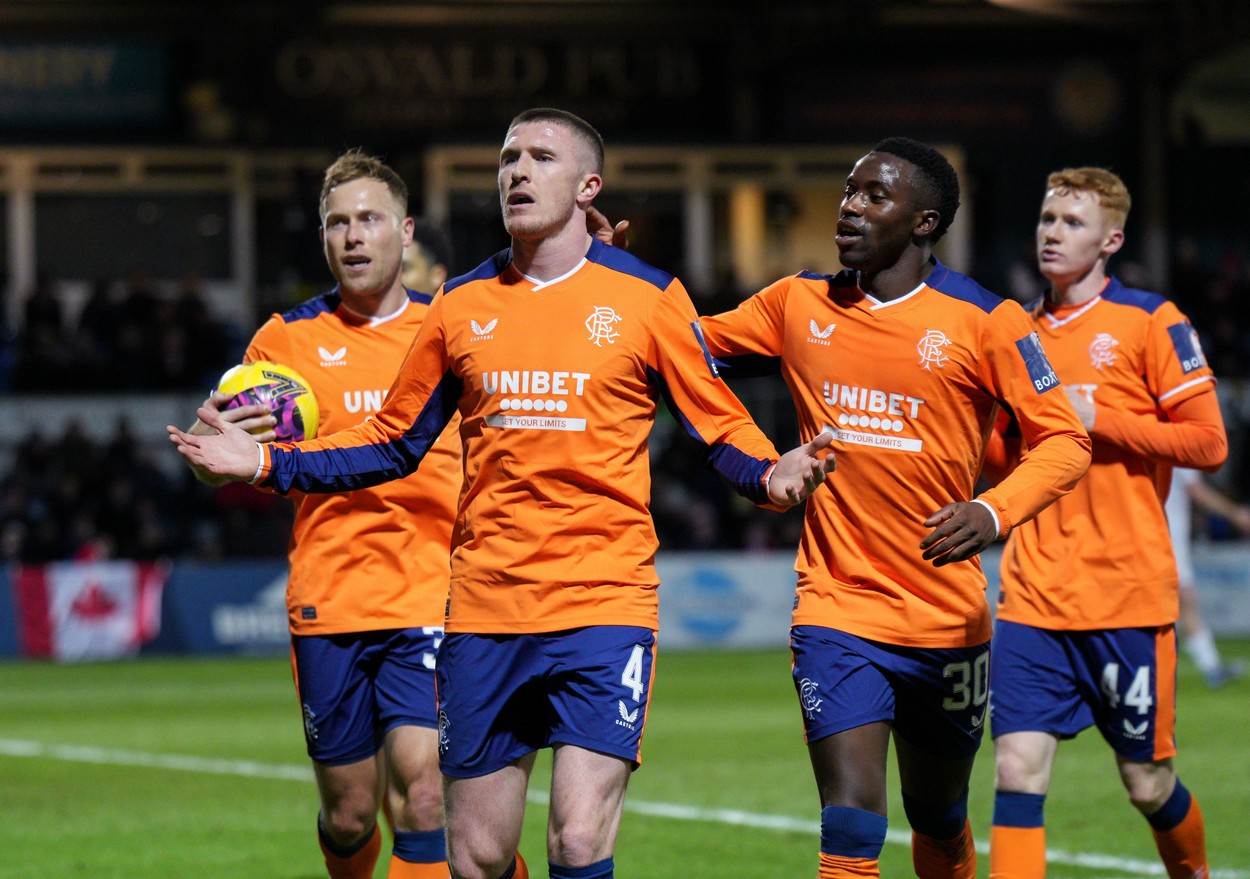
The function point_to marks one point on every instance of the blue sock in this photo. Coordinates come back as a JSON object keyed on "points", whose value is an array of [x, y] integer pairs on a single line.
{"points": [[851, 833], [598, 870], [420, 846], [1173, 811], [937, 822], [1014, 809]]}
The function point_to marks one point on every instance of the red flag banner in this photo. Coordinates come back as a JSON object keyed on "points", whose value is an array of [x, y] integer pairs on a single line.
{"points": [[80, 611]]}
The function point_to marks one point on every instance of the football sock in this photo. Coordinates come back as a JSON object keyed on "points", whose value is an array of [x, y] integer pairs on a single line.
{"points": [[418, 854], [598, 870], [850, 842], [1018, 837], [1180, 835], [941, 840], [352, 862]]}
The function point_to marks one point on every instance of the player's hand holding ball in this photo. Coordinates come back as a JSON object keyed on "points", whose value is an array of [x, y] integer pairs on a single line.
{"points": [[280, 390], [254, 403]]}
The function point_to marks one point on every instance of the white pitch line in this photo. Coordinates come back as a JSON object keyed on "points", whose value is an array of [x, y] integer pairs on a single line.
{"points": [[676, 811]]}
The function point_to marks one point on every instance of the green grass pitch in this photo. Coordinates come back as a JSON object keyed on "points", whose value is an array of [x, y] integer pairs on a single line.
{"points": [[166, 768]]}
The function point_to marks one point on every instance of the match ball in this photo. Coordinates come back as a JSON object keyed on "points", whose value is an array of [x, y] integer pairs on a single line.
{"points": [[287, 394]]}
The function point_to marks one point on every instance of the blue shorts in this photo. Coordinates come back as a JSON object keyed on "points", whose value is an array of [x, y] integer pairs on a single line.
{"points": [[934, 698], [501, 697], [1123, 680], [353, 688]]}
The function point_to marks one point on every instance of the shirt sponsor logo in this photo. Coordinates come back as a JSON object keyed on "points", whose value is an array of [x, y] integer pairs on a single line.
{"points": [[602, 326], [819, 336], [367, 401], [333, 358], [481, 332], [1041, 373], [538, 392], [871, 409], [1188, 348], [932, 349], [1102, 350], [536, 422]]}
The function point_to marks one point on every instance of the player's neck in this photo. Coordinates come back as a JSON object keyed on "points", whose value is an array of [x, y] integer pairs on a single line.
{"points": [[899, 279], [376, 305], [1077, 290], [546, 259]]}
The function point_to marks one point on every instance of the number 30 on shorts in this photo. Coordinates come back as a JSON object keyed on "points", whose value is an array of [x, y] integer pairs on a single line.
{"points": [[969, 683]]}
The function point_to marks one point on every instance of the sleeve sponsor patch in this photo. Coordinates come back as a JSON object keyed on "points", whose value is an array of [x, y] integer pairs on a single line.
{"points": [[1188, 349], [1035, 361]]}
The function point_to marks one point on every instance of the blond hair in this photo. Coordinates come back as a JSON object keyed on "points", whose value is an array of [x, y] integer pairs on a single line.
{"points": [[354, 165], [1112, 194]]}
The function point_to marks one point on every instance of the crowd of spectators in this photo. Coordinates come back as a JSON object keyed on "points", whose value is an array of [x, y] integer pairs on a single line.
{"points": [[67, 495], [126, 337]]}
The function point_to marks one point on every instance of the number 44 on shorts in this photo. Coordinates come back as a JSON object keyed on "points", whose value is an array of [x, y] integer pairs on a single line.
{"points": [[1138, 695]]}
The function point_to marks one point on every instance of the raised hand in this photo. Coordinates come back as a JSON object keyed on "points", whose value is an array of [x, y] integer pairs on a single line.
{"points": [[800, 471], [601, 227]]}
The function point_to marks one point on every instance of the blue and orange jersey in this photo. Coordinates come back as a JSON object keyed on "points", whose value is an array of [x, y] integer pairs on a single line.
{"points": [[377, 558], [1100, 557], [911, 389], [557, 385]]}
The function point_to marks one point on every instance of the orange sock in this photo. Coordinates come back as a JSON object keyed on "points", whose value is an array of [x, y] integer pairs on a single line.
{"points": [[357, 865], [522, 871], [398, 868], [944, 858], [1017, 852], [1183, 847], [837, 867]]}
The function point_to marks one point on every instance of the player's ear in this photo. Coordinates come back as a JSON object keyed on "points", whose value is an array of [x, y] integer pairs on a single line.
{"points": [[927, 223], [407, 227], [1113, 242], [588, 187]]}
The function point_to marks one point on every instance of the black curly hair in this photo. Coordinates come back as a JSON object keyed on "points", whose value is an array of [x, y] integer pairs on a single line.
{"points": [[938, 182]]}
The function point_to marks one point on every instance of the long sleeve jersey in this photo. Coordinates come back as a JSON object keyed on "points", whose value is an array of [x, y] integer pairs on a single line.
{"points": [[557, 385], [377, 558], [911, 389], [1100, 557]]}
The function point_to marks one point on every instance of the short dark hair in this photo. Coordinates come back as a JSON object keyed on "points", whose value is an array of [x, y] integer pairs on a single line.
{"points": [[939, 184], [433, 242], [355, 164], [584, 131]]}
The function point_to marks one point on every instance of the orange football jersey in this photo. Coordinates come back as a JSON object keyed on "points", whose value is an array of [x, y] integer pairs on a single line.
{"points": [[377, 558], [557, 384], [1100, 558], [911, 389]]}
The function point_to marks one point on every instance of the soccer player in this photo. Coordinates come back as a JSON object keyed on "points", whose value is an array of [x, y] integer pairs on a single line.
{"points": [[1190, 491], [427, 260], [908, 362], [368, 569], [555, 352], [1086, 632]]}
